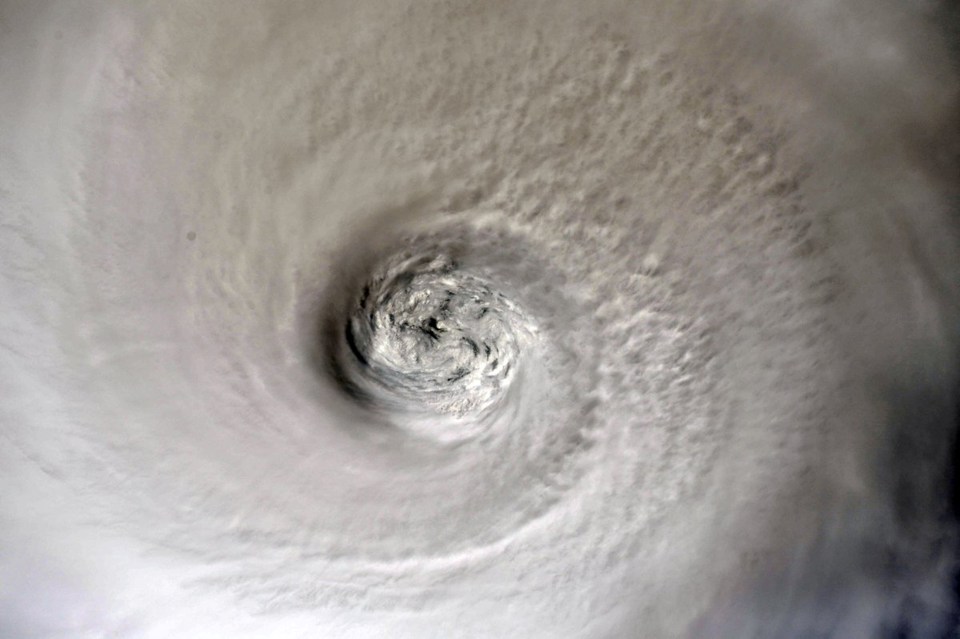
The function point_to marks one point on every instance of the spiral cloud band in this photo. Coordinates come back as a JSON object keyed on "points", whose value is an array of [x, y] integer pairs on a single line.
{"points": [[453, 319]]}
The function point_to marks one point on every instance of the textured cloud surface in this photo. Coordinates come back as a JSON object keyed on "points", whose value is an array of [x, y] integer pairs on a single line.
{"points": [[455, 319]]}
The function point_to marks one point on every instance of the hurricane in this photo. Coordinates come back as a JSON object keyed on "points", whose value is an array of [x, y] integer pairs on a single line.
{"points": [[459, 319]]}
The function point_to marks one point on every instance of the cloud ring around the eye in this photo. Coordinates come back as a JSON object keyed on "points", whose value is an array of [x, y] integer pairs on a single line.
{"points": [[427, 339]]}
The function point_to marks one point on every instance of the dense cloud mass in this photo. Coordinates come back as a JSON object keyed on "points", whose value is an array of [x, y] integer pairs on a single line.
{"points": [[477, 319]]}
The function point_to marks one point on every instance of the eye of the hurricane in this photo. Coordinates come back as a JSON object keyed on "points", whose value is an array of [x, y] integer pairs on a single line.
{"points": [[427, 338]]}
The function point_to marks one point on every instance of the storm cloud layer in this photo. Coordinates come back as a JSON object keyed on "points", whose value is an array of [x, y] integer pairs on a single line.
{"points": [[454, 319]]}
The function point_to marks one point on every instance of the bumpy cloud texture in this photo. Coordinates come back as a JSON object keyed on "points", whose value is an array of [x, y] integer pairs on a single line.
{"points": [[444, 319]]}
